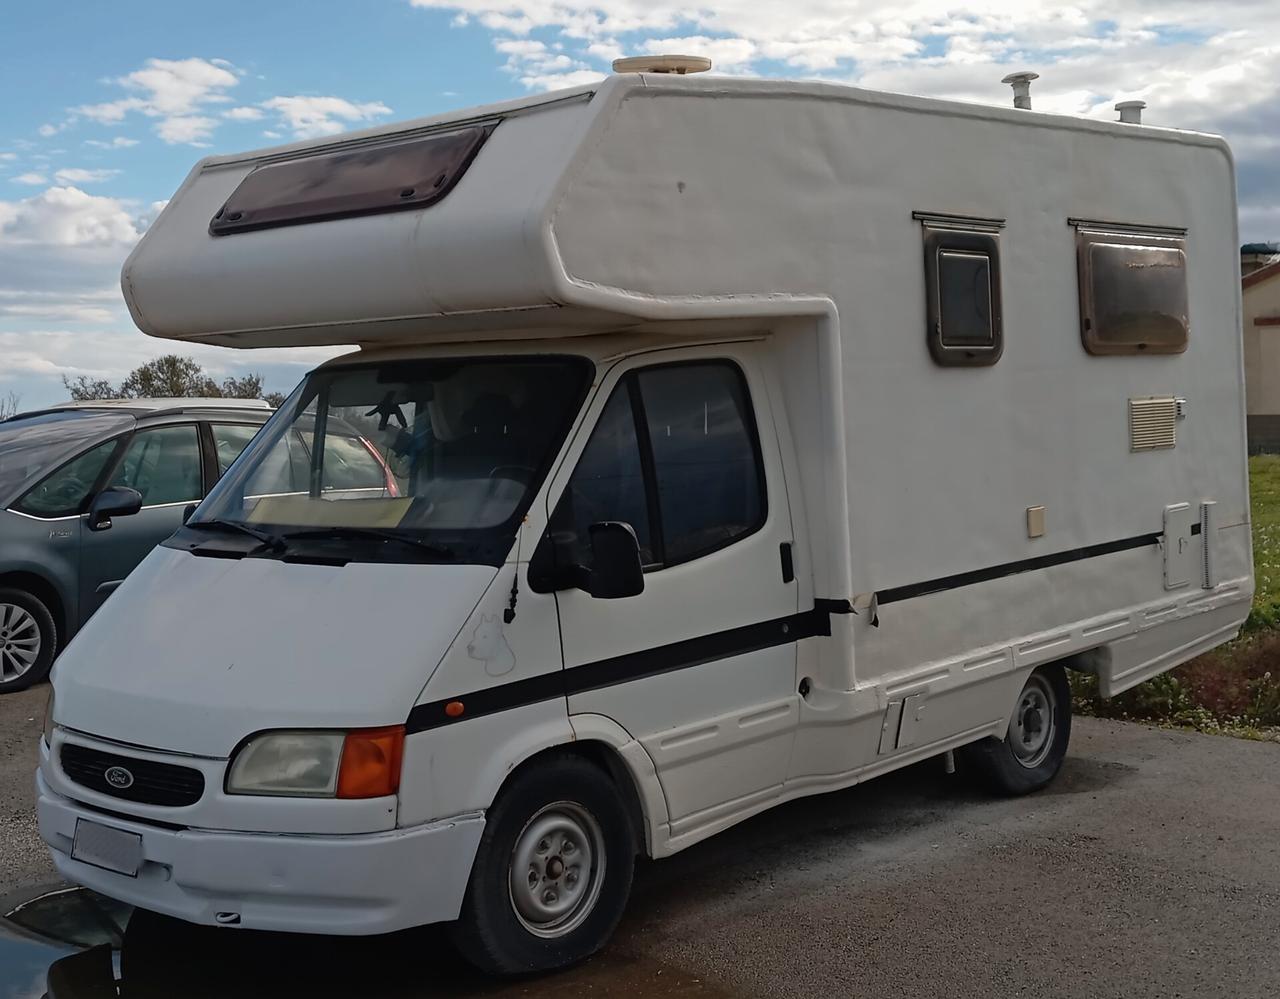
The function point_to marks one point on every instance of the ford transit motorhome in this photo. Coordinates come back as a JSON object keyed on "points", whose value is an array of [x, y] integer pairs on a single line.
{"points": [[749, 439]]}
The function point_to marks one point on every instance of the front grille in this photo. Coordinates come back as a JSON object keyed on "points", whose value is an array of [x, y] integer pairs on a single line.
{"points": [[152, 783]]}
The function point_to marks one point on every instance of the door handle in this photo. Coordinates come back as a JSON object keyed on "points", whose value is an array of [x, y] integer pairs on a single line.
{"points": [[788, 563]]}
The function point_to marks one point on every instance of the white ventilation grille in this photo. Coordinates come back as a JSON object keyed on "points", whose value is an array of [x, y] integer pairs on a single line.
{"points": [[1153, 423]]}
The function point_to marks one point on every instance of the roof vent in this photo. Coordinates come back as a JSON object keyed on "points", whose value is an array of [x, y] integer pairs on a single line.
{"points": [[1021, 83], [678, 64], [1131, 111]]}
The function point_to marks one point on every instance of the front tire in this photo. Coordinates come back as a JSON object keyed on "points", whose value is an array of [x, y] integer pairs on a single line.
{"points": [[1035, 743], [28, 640], [552, 874]]}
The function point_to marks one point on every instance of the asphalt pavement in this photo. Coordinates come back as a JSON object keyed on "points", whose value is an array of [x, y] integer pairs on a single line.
{"points": [[1150, 868]]}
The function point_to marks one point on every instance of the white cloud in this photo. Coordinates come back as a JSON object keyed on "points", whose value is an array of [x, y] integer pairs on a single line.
{"points": [[193, 130], [119, 142], [311, 117], [243, 114], [49, 130], [174, 91], [78, 175], [8, 157], [67, 216], [31, 177]]}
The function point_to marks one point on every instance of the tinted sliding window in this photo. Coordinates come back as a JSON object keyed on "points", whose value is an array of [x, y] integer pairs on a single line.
{"points": [[675, 455], [1133, 292], [962, 292]]}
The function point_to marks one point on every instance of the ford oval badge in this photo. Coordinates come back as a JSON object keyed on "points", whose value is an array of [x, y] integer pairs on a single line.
{"points": [[119, 778]]}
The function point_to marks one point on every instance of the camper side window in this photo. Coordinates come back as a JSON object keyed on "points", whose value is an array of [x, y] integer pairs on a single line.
{"points": [[962, 282], [1133, 293], [675, 455]]}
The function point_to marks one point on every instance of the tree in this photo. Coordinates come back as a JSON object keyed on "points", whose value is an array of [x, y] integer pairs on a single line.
{"points": [[10, 405], [168, 377]]}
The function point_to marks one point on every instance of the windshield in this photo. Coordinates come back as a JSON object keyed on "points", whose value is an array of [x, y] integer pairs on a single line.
{"points": [[30, 445], [444, 453]]}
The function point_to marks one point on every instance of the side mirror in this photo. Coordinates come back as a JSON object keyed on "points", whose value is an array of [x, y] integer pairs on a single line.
{"points": [[187, 511], [118, 501], [617, 571]]}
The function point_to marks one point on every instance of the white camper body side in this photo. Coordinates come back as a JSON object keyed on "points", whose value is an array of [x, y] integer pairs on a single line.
{"points": [[899, 589]]}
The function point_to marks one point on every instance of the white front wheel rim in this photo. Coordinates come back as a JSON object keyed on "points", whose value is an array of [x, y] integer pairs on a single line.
{"points": [[557, 869]]}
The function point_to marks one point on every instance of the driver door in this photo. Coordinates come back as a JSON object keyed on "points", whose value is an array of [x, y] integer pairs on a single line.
{"points": [[699, 667], [163, 464]]}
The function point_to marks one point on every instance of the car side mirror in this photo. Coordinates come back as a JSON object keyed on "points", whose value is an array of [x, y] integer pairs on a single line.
{"points": [[118, 501], [616, 567]]}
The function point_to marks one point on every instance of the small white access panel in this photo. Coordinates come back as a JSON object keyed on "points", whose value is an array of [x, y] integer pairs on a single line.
{"points": [[1182, 561]]}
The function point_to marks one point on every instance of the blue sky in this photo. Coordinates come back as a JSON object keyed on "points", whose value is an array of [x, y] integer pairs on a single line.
{"points": [[108, 106]]}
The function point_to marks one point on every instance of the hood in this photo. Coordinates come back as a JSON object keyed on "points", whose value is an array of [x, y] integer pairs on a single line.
{"points": [[191, 654]]}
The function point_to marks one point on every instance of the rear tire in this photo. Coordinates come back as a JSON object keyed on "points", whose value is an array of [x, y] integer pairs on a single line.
{"points": [[552, 874], [28, 640], [1035, 743]]}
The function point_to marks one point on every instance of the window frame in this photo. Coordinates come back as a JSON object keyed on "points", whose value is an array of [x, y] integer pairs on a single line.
{"points": [[108, 469], [629, 381], [979, 239], [1089, 235], [118, 458]]}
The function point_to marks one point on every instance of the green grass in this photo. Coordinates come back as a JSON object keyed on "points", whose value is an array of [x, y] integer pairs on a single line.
{"points": [[1264, 498], [1235, 689]]}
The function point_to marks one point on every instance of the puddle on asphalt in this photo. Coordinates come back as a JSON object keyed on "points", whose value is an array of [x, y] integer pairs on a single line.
{"points": [[62, 942]]}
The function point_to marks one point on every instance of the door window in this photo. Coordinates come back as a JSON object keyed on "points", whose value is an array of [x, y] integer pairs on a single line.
{"points": [[229, 439], [66, 492], [163, 465], [675, 455]]}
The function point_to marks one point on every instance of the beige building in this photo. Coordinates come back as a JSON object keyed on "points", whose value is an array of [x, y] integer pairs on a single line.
{"points": [[1261, 312]]}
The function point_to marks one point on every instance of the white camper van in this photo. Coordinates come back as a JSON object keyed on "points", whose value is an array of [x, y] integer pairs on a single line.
{"points": [[746, 439]]}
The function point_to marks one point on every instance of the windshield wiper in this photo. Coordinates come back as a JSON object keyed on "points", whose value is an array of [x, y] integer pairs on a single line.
{"points": [[372, 533], [234, 527]]}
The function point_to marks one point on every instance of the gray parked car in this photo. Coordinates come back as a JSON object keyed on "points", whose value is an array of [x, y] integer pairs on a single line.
{"points": [[86, 491]]}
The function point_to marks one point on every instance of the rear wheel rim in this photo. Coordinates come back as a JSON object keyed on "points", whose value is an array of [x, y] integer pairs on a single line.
{"points": [[1034, 723], [20, 642], [557, 869]]}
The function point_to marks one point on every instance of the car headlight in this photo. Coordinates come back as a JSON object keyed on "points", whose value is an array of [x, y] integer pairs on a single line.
{"points": [[364, 763], [48, 719]]}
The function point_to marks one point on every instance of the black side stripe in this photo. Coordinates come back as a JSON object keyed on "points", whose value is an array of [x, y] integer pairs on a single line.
{"points": [[721, 644], [1013, 568], [625, 668]]}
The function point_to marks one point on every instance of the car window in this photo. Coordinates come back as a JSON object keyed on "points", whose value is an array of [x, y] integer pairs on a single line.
{"points": [[163, 464], [65, 492], [705, 460], [608, 484], [349, 463], [229, 439], [704, 486]]}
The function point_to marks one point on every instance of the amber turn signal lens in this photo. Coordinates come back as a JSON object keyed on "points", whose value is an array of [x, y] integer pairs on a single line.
{"points": [[371, 760], [454, 709]]}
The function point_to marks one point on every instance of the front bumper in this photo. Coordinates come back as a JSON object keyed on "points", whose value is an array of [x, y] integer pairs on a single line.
{"points": [[348, 885]]}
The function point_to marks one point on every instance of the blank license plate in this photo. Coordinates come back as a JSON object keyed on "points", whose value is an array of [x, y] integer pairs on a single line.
{"points": [[110, 849]]}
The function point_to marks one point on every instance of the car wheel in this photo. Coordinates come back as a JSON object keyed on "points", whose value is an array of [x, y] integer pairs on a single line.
{"points": [[28, 640], [552, 874], [1035, 743]]}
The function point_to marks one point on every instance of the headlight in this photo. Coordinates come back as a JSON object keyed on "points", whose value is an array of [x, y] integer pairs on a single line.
{"points": [[364, 763], [290, 763], [48, 719]]}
